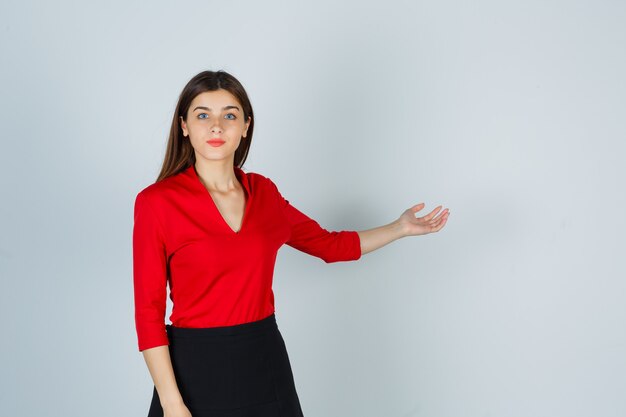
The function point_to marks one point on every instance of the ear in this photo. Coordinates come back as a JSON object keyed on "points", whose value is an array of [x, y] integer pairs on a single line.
{"points": [[245, 132], [183, 125]]}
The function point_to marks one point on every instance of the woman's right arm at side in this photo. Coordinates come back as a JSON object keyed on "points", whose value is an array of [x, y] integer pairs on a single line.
{"points": [[160, 366], [150, 288]]}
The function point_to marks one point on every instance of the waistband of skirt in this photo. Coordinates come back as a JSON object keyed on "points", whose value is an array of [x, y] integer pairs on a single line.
{"points": [[237, 329]]}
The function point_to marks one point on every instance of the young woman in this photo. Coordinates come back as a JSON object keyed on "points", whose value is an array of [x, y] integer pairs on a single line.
{"points": [[212, 231]]}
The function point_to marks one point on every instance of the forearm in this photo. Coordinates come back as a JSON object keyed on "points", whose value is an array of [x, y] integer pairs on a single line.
{"points": [[378, 237], [160, 366]]}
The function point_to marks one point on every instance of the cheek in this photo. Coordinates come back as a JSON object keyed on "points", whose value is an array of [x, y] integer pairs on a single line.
{"points": [[233, 125], [189, 125]]}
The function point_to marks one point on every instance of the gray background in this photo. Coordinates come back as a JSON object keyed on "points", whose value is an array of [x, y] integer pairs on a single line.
{"points": [[509, 113]]}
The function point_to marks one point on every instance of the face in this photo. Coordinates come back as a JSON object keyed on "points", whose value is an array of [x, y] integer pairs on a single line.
{"points": [[215, 115]]}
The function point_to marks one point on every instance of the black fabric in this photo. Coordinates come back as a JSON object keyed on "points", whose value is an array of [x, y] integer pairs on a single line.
{"points": [[232, 371]]}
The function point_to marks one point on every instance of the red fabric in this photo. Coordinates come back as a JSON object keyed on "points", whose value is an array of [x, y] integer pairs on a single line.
{"points": [[217, 277]]}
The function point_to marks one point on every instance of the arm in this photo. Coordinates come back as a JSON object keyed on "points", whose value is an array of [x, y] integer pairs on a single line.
{"points": [[378, 237], [150, 291], [309, 237], [406, 225], [160, 366]]}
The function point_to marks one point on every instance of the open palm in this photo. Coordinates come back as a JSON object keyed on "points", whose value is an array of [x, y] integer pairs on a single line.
{"points": [[414, 226]]}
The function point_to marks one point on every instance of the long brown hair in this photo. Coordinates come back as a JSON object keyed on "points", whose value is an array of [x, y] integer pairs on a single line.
{"points": [[179, 154]]}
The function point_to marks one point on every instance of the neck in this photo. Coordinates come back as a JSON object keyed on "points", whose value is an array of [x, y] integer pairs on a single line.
{"points": [[217, 176]]}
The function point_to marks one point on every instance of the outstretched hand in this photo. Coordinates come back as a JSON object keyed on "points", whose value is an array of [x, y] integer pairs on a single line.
{"points": [[414, 226]]}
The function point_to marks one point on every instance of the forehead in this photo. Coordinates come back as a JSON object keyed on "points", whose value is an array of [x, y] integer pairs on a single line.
{"points": [[215, 100]]}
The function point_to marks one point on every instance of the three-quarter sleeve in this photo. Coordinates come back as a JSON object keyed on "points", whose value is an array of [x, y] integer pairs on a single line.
{"points": [[149, 276], [308, 236]]}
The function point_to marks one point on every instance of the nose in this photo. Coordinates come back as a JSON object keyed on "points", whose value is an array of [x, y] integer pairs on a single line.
{"points": [[216, 128]]}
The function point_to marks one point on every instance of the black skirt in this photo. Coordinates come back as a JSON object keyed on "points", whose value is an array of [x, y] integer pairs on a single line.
{"points": [[241, 370]]}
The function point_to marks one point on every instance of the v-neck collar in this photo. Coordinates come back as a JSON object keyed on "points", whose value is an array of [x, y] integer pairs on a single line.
{"points": [[243, 179]]}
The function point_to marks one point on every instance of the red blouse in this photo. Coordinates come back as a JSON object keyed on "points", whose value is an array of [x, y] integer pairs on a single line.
{"points": [[217, 277]]}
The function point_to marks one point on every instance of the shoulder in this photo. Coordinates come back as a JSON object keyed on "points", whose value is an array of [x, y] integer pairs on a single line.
{"points": [[161, 190], [254, 176], [264, 186], [259, 181]]}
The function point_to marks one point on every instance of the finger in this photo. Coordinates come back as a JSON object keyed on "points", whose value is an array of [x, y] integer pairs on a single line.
{"points": [[443, 215], [442, 221], [414, 209], [432, 213]]}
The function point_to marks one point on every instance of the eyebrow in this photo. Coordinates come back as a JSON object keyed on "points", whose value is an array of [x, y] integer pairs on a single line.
{"points": [[223, 108]]}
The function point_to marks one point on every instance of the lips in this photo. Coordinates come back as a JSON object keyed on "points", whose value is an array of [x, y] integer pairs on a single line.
{"points": [[215, 142]]}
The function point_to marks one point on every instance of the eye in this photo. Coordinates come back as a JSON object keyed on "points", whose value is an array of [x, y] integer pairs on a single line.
{"points": [[200, 116]]}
